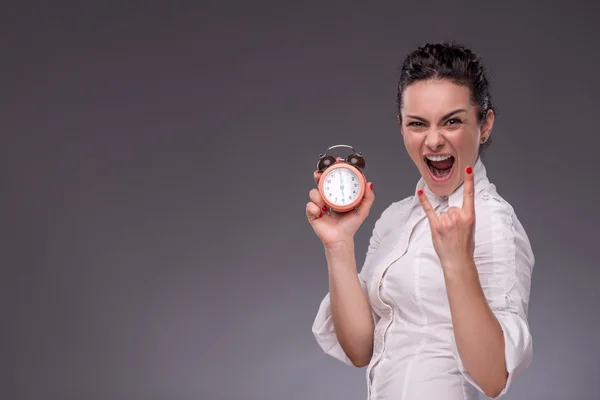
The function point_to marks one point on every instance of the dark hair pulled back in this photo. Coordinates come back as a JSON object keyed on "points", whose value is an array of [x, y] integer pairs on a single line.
{"points": [[453, 62]]}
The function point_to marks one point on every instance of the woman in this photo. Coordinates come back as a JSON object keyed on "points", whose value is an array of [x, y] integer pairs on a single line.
{"points": [[439, 308]]}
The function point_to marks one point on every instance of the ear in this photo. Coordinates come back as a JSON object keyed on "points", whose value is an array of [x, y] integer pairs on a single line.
{"points": [[486, 126]]}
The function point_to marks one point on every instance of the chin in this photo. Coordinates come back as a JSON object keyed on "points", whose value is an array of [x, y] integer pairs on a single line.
{"points": [[439, 190]]}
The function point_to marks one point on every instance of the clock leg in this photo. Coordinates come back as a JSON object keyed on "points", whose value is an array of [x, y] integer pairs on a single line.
{"points": [[356, 209]]}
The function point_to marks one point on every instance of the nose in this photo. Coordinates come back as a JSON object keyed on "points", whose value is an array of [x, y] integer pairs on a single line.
{"points": [[434, 140]]}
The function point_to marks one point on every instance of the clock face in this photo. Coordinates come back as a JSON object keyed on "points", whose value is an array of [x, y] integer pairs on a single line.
{"points": [[341, 186]]}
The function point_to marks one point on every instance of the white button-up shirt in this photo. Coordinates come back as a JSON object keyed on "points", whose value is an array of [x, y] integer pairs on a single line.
{"points": [[414, 353]]}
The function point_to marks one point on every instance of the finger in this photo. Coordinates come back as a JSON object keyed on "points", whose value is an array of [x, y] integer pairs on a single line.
{"points": [[429, 211], [445, 220], [313, 211], [469, 191], [316, 198], [317, 176], [369, 198]]}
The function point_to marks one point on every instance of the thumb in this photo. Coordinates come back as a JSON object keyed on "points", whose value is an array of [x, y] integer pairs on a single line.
{"points": [[368, 199]]}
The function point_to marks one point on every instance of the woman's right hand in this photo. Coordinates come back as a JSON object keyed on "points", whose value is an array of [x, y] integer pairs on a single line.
{"points": [[336, 227]]}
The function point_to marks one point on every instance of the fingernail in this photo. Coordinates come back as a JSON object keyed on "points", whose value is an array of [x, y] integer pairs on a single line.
{"points": [[420, 191], [320, 215], [324, 208], [469, 170], [371, 186]]}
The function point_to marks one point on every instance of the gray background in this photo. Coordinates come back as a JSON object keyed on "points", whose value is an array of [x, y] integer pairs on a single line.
{"points": [[156, 162]]}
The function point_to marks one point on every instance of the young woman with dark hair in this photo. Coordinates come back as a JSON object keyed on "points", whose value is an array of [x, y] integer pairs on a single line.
{"points": [[439, 307]]}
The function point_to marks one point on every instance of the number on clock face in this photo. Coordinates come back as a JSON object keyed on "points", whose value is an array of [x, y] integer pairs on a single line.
{"points": [[341, 186]]}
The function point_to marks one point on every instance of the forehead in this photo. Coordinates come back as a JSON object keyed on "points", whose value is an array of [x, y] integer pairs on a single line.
{"points": [[433, 96]]}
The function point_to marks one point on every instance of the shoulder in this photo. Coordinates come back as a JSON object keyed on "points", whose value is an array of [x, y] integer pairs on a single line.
{"points": [[500, 236], [494, 212], [503, 254]]}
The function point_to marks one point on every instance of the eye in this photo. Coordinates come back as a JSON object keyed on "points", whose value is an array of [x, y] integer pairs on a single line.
{"points": [[415, 124], [453, 121]]}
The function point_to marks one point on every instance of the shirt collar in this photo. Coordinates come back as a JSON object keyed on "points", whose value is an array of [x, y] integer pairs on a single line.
{"points": [[456, 198]]}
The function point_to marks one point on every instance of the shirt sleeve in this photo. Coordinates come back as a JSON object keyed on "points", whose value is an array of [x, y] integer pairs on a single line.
{"points": [[505, 261], [323, 328]]}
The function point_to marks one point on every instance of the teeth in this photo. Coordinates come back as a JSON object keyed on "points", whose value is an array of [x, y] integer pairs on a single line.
{"points": [[437, 158]]}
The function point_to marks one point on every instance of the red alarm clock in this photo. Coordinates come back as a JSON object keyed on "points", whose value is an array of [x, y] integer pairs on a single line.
{"points": [[342, 184]]}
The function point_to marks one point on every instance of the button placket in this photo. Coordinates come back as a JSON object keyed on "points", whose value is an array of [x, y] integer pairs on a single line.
{"points": [[381, 330]]}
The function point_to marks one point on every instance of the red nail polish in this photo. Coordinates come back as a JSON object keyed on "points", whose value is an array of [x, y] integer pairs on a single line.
{"points": [[469, 170], [324, 208], [320, 215], [420, 192], [371, 186]]}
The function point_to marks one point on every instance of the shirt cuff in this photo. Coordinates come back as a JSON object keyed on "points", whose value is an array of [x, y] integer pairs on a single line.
{"points": [[517, 349], [324, 333]]}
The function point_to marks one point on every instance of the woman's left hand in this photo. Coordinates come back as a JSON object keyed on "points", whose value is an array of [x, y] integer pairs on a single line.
{"points": [[452, 231]]}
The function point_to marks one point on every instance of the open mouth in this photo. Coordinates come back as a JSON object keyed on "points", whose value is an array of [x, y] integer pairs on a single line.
{"points": [[440, 167]]}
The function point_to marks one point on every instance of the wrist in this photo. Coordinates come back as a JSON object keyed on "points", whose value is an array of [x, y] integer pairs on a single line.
{"points": [[339, 246], [340, 256], [459, 267]]}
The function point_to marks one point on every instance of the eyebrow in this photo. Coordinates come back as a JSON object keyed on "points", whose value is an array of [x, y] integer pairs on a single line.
{"points": [[444, 117]]}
